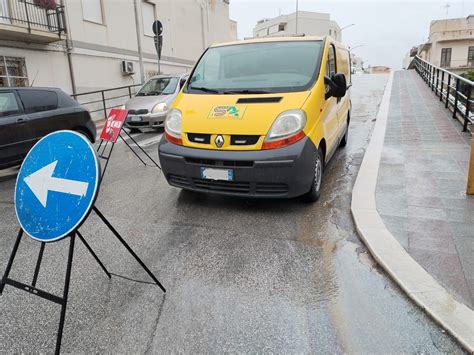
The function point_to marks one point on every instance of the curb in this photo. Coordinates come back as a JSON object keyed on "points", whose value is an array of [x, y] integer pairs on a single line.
{"points": [[455, 317]]}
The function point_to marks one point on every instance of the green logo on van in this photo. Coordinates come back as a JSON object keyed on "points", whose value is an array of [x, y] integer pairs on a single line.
{"points": [[232, 111]]}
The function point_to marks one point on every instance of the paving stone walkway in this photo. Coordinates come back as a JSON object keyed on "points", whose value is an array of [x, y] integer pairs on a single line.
{"points": [[422, 183]]}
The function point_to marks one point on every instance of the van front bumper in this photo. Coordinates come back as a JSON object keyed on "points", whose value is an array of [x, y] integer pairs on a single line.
{"points": [[280, 173]]}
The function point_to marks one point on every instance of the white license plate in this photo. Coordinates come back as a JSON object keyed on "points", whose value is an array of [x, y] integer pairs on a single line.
{"points": [[135, 119], [217, 174]]}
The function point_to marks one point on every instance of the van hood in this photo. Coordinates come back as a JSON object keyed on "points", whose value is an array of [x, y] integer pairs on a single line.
{"points": [[235, 114]]}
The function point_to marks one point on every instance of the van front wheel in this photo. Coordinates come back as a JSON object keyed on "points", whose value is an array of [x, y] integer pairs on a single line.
{"points": [[344, 139], [313, 194]]}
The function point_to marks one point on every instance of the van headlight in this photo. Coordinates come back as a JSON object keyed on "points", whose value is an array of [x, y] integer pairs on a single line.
{"points": [[161, 107], [286, 129], [173, 127]]}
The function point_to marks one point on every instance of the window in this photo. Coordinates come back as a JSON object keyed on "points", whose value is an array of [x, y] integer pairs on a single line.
{"points": [[470, 54], [8, 104], [281, 27], [92, 10], [13, 71], [257, 68], [148, 15], [159, 86], [445, 57], [38, 100], [331, 65]]}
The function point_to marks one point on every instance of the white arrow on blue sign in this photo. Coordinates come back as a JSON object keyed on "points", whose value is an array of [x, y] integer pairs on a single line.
{"points": [[56, 186]]}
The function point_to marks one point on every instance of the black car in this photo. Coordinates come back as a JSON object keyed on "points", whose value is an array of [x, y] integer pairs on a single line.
{"points": [[28, 114]]}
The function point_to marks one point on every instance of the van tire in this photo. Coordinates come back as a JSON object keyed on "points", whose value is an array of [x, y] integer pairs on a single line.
{"points": [[313, 194], [345, 138]]}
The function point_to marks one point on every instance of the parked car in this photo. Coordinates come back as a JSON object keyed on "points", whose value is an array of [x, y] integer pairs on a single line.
{"points": [[149, 107], [28, 114], [259, 118]]}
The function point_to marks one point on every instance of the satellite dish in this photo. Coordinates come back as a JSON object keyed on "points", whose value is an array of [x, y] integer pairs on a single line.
{"points": [[157, 28]]}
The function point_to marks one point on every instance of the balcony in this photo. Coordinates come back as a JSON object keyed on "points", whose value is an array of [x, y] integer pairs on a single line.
{"points": [[36, 21]]}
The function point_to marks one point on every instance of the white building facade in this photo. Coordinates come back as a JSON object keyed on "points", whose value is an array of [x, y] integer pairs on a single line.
{"points": [[451, 44], [302, 22], [81, 45]]}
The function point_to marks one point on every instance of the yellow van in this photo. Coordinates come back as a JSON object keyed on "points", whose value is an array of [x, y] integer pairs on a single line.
{"points": [[259, 118]]}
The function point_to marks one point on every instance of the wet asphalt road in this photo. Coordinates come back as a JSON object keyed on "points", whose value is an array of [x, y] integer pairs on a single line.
{"points": [[242, 275]]}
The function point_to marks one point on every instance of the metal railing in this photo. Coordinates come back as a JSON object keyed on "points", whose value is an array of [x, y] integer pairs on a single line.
{"points": [[453, 90], [100, 102], [32, 16]]}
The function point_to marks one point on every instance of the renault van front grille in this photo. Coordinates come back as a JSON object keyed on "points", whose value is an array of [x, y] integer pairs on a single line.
{"points": [[243, 140], [221, 163], [199, 138]]}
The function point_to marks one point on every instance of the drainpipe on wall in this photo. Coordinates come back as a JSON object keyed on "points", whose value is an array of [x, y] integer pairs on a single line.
{"points": [[139, 41], [69, 50], [202, 25]]}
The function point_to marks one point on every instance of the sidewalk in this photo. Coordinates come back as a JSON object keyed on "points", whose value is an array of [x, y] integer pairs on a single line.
{"points": [[421, 185], [409, 204]]}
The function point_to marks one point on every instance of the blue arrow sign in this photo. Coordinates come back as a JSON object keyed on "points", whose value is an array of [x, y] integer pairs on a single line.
{"points": [[56, 186]]}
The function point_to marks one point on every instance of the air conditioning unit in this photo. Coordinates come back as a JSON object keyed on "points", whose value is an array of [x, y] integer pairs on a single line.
{"points": [[127, 67]]}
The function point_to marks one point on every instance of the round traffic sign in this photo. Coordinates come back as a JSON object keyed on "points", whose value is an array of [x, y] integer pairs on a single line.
{"points": [[157, 28], [56, 186]]}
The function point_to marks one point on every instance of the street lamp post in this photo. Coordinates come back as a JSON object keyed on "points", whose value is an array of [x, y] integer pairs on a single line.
{"points": [[296, 17], [352, 24], [360, 45]]}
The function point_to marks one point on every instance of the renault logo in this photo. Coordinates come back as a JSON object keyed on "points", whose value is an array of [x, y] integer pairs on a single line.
{"points": [[219, 141]]}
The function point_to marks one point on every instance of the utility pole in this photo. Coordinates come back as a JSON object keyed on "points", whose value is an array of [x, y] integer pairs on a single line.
{"points": [[139, 41], [69, 49], [296, 17]]}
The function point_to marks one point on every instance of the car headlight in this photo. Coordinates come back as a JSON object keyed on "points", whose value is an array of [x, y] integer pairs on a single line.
{"points": [[162, 106], [287, 124], [286, 129], [173, 127]]}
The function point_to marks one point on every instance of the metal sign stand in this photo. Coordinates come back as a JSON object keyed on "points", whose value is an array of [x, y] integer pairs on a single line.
{"points": [[63, 300], [106, 156]]}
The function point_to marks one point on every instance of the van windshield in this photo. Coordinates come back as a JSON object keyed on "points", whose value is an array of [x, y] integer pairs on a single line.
{"points": [[159, 86], [257, 68]]}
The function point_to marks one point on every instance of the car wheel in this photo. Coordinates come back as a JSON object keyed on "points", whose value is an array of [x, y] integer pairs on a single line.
{"points": [[313, 194], [84, 133], [346, 136]]}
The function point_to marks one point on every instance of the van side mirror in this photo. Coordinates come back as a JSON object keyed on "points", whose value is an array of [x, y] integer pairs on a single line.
{"points": [[335, 86]]}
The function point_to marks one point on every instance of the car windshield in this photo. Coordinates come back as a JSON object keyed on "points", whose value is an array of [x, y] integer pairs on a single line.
{"points": [[257, 68], [159, 86]]}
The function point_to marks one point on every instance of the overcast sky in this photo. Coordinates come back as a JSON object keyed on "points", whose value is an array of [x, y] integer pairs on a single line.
{"points": [[388, 29]]}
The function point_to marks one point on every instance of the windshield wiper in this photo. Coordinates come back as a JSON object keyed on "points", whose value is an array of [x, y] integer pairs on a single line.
{"points": [[204, 89], [140, 94], [246, 91]]}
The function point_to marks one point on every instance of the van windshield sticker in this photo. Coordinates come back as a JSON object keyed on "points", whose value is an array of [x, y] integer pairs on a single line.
{"points": [[232, 111]]}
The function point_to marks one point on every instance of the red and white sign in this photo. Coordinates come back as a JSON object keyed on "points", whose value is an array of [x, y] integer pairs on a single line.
{"points": [[113, 125]]}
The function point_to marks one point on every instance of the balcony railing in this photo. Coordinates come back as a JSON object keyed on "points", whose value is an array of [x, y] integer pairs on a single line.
{"points": [[31, 16], [453, 90]]}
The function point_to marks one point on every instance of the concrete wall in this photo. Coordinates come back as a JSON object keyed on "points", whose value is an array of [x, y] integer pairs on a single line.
{"points": [[309, 23], [98, 49]]}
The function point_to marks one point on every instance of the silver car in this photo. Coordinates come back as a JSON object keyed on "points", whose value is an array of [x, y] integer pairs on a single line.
{"points": [[149, 107]]}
